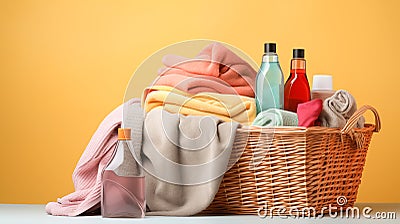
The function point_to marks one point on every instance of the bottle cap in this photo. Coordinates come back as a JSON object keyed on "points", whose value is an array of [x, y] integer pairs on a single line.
{"points": [[124, 134], [270, 48], [322, 82], [298, 53]]}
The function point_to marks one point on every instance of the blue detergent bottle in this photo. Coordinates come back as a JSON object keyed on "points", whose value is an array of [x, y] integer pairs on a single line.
{"points": [[269, 81]]}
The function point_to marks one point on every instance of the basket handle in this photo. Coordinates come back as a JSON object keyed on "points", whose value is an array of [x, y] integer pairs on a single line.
{"points": [[354, 118]]}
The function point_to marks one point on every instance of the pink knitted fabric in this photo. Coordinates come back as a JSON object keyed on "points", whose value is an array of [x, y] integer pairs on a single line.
{"points": [[88, 171]]}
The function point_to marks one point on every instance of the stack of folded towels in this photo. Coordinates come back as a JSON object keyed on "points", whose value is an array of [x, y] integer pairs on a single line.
{"points": [[216, 82]]}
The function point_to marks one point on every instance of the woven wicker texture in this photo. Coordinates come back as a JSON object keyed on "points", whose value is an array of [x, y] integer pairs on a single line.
{"points": [[295, 167]]}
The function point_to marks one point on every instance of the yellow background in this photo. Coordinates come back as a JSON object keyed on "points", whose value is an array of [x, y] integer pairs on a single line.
{"points": [[65, 65]]}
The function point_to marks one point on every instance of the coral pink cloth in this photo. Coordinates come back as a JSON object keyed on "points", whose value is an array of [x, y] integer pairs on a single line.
{"points": [[88, 171], [215, 69], [308, 112]]}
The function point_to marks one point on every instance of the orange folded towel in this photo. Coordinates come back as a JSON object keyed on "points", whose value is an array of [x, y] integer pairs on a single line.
{"points": [[215, 69]]}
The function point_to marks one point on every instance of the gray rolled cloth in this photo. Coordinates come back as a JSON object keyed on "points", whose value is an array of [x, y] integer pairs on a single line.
{"points": [[276, 117], [337, 109]]}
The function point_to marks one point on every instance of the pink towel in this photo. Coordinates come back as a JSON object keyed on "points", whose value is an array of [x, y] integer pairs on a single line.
{"points": [[308, 112], [214, 69], [88, 172]]}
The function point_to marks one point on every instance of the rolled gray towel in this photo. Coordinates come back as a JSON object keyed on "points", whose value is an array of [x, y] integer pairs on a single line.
{"points": [[337, 109]]}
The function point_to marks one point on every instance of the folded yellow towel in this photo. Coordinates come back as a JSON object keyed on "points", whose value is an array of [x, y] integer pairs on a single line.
{"points": [[227, 107]]}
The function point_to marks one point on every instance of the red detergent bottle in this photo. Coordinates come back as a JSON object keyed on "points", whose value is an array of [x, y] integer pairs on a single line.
{"points": [[297, 89]]}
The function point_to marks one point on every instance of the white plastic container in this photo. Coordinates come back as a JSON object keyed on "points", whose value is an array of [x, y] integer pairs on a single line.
{"points": [[322, 87]]}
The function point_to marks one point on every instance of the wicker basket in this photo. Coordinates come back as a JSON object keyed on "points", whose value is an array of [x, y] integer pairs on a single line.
{"points": [[295, 168]]}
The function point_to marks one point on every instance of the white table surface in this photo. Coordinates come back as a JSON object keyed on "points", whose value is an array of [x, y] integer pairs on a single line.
{"points": [[21, 213]]}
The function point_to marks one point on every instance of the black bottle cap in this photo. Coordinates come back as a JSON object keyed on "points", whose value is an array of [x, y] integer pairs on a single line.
{"points": [[298, 53], [270, 48]]}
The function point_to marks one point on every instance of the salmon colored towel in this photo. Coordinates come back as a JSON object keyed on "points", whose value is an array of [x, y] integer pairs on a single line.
{"points": [[226, 107], [215, 69], [88, 171]]}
